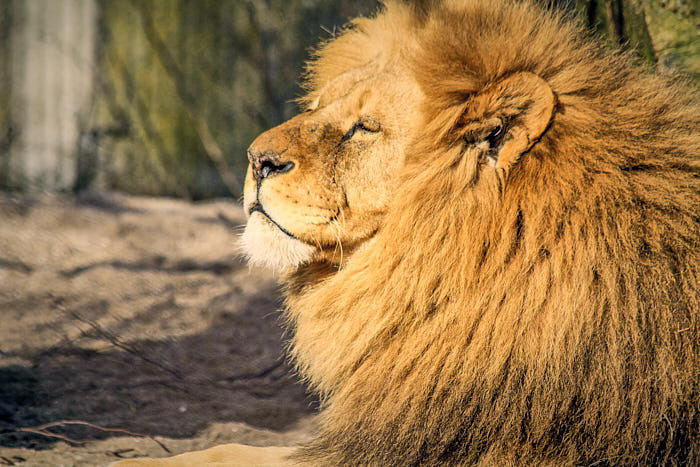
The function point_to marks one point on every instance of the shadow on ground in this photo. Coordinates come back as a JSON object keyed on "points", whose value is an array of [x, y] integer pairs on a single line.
{"points": [[234, 371], [136, 313]]}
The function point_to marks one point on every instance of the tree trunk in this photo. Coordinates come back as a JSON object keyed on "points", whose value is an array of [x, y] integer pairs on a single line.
{"points": [[666, 34], [47, 50]]}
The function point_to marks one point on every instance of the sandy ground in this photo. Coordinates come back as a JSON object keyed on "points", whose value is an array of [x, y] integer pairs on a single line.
{"points": [[137, 314]]}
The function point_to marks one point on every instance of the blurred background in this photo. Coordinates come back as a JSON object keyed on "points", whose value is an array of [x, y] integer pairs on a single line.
{"points": [[129, 324], [163, 97]]}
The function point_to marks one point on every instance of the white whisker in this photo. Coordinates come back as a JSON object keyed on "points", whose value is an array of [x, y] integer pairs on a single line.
{"points": [[339, 243]]}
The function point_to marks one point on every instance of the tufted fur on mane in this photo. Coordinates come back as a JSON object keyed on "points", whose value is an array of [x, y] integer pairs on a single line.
{"points": [[550, 316]]}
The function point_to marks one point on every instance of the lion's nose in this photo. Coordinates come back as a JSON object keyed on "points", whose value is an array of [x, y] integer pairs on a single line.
{"points": [[267, 164]]}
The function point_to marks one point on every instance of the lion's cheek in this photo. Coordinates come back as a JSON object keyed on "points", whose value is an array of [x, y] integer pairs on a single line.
{"points": [[267, 246]]}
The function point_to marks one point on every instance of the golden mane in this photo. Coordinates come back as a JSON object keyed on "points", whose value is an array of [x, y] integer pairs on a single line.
{"points": [[550, 319]]}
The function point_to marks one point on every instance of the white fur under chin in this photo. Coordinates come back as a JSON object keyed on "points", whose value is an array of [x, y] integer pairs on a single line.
{"points": [[266, 245]]}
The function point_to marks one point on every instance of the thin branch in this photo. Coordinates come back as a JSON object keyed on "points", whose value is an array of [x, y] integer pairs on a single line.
{"points": [[114, 340], [255, 375], [43, 431], [49, 434]]}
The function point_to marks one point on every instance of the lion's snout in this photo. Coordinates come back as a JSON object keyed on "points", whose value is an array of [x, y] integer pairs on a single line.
{"points": [[268, 155], [267, 164]]}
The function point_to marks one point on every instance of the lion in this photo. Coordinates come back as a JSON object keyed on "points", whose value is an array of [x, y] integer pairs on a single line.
{"points": [[488, 227]]}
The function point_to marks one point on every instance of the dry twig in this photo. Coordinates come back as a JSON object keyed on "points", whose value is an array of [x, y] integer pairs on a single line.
{"points": [[43, 431]]}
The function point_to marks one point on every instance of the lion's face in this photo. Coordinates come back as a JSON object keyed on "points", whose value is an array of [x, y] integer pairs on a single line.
{"points": [[319, 184]]}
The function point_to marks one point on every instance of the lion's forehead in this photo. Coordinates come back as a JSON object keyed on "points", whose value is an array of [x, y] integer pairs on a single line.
{"points": [[385, 89]]}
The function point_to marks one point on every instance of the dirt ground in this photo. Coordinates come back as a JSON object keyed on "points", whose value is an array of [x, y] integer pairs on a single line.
{"points": [[136, 314]]}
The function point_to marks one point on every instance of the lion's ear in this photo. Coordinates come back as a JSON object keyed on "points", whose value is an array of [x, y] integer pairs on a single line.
{"points": [[508, 117]]}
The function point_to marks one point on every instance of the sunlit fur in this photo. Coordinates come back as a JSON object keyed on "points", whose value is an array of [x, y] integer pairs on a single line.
{"points": [[546, 317], [267, 246]]}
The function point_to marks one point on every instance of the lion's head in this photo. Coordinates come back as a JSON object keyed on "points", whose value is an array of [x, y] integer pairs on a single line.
{"points": [[489, 228], [319, 185]]}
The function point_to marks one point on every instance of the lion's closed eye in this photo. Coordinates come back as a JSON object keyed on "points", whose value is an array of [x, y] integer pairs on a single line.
{"points": [[366, 124]]}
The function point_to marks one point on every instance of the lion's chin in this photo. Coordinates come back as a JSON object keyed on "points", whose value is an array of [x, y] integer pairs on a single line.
{"points": [[266, 245]]}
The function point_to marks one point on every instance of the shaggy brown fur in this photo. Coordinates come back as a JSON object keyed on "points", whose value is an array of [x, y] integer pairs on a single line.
{"points": [[545, 312]]}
